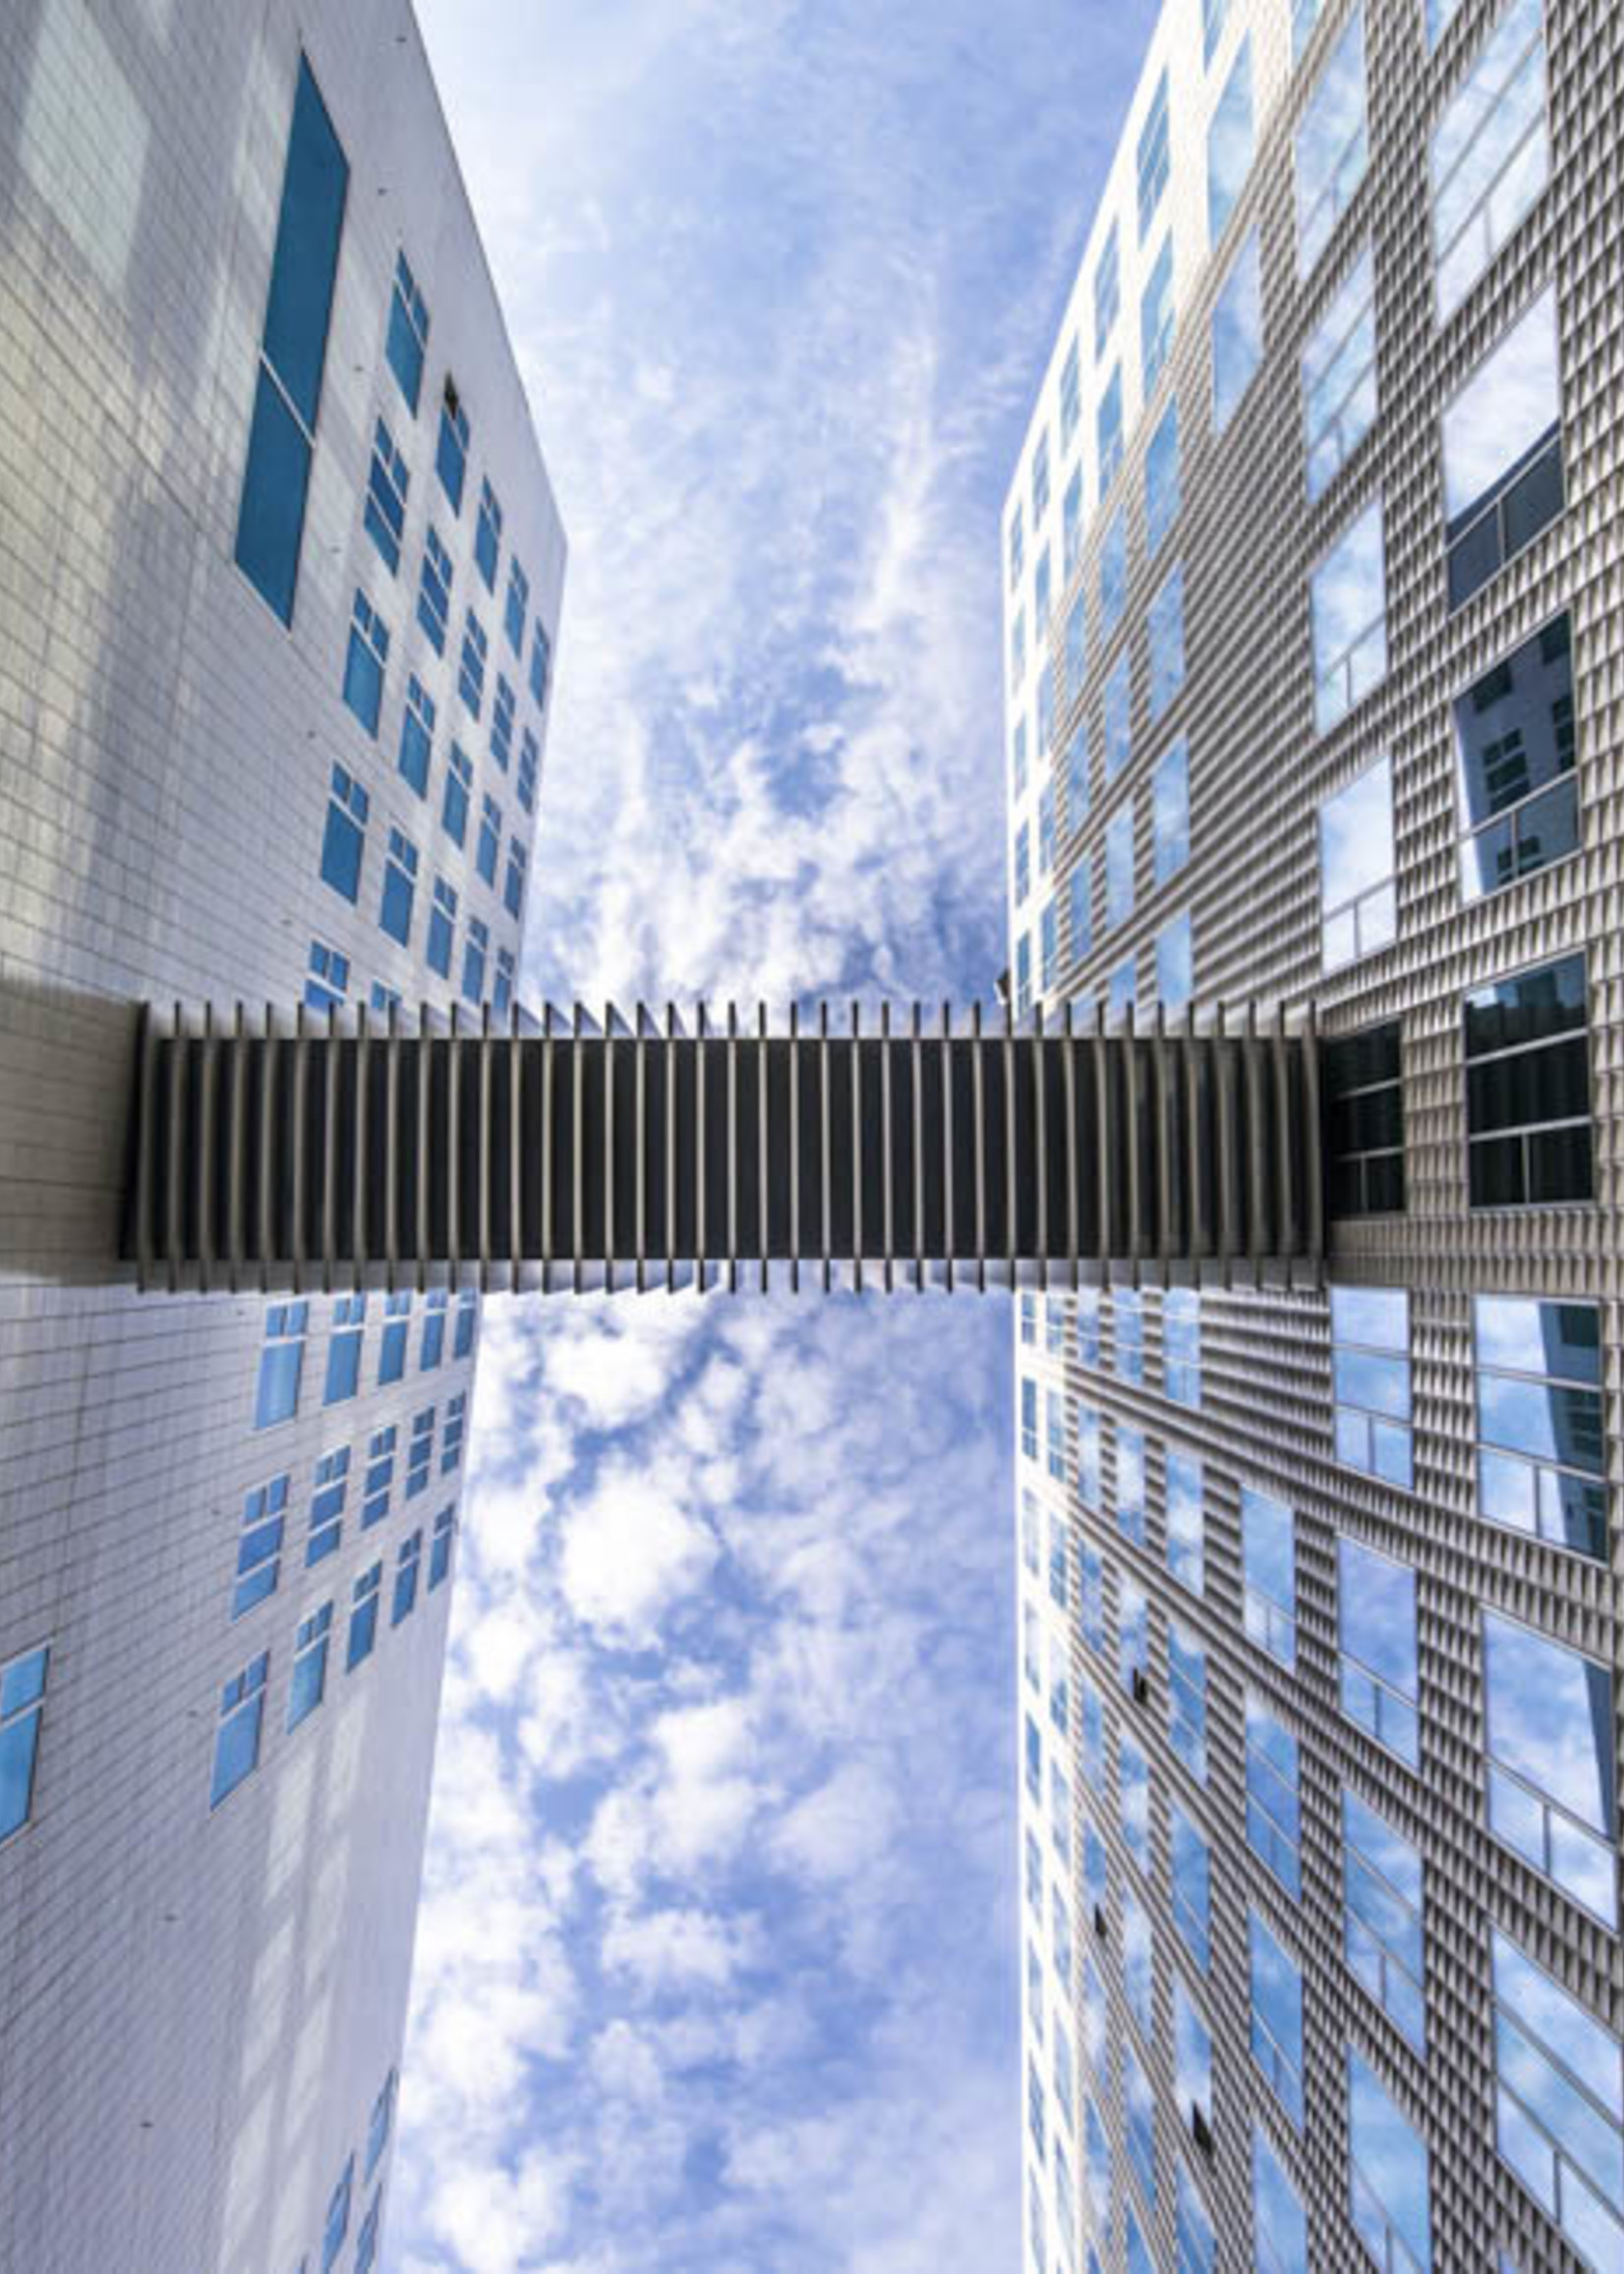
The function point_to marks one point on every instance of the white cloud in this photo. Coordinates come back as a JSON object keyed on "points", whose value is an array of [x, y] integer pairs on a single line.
{"points": [[660, 1949], [630, 1550]]}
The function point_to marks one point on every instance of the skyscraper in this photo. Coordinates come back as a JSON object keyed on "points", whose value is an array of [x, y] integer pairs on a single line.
{"points": [[1310, 564], [280, 572]]}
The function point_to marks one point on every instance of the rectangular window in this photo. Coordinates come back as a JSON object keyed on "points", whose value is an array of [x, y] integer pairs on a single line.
{"points": [[1192, 1860], [1108, 430], [1339, 375], [1079, 914], [456, 1418], [1186, 1698], [1040, 482], [363, 1616], [1119, 867], [434, 1329], [237, 1738], [1378, 1672], [259, 1549], [1091, 1596], [1194, 2238], [420, 1454], [1280, 2228], [1120, 994], [1331, 145], [408, 337], [1018, 760], [1381, 1889], [1192, 2066], [530, 766], [1091, 1737], [487, 844], [1096, 2164], [1559, 2103], [1541, 1438], [293, 351], [1186, 1521], [365, 658], [1490, 152], [541, 664], [1363, 1106], [344, 838], [1170, 811], [488, 536], [516, 607], [1348, 601], [1139, 2113], [1276, 2017], [471, 669], [1514, 764], [387, 483], [1527, 1089], [1065, 2082], [468, 1312], [1139, 1956], [1269, 1563], [1164, 624], [326, 979], [1503, 478], [1077, 775], [1152, 158], [392, 1362], [326, 1507], [1034, 1757], [1551, 1761], [1156, 316], [1113, 573], [1057, 1549], [1028, 1418], [451, 449], [1236, 332], [1028, 1320], [443, 918], [1107, 289], [1071, 530], [1132, 1639], [1088, 1457], [379, 1476], [503, 711], [1182, 1346], [1230, 144], [1130, 1484], [307, 1684], [1161, 482], [1116, 719], [21, 1710], [1071, 397], [1273, 1819], [349, 1325], [1371, 1369], [434, 597], [1041, 595], [1128, 1334], [1175, 957], [395, 914], [1060, 1936], [1022, 863], [1018, 544], [1048, 932], [1357, 892], [417, 736], [1046, 829], [1388, 2175], [281, 1363], [459, 787]]}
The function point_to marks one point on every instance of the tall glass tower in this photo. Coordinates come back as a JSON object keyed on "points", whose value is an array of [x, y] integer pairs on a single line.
{"points": [[280, 572], [1311, 633]]}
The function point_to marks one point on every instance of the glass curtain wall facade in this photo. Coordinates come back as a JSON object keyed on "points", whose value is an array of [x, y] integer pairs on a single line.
{"points": [[279, 587], [1320, 1878]]}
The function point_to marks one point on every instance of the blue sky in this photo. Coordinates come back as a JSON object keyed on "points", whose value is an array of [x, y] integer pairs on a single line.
{"points": [[717, 1959]]}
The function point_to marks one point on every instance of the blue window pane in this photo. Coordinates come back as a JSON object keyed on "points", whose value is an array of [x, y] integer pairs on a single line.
{"points": [[1278, 2220], [451, 450], [434, 607], [1389, 2177], [1161, 480], [1277, 2018], [19, 1745], [343, 1368], [488, 536], [306, 258], [342, 843], [1230, 144], [280, 1367], [1156, 316], [392, 1362], [408, 333], [272, 521], [363, 677]]}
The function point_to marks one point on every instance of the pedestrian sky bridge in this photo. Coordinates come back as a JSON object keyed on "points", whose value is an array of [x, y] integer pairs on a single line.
{"points": [[308, 1151]]}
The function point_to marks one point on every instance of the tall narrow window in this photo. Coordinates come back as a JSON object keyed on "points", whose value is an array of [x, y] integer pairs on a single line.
{"points": [[1358, 908], [1130, 1484], [1119, 866], [488, 535], [1514, 764], [1107, 289], [1182, 1352], [1230, 144], [1071, 397], [416, 736], [1381, 1887], [502, 713], [1191, 2065], [1490, 152], [1192, 1860], [1348, 603], [1132, 1637], [344, 838], [1551, 1761], [1079, 911], [443, 918], [363, 660], [1108, 426], [394, 915], [364, 1601], [1363, 1106], [237, 1737], [293, 351], [1371, 1370], [1186, 1697], [1153, 157], [1161, 482], [1279, 2225], [1273, 1813], [1276, 2017], [541, 664], [1388, 2174], [1071, 540], [1138, 1963], [1339, 375], [471, 668], [349, 1326], [1194, 2238], [408, 336], [1331, 145], [1186, 1523], [329, 1487], [1541, 1437], [1139, 2111], [1118, 718], [308, 1679], [439, 1554], [1156, 316], [451, 449], [281, 1363], [1527, 1089], [1133, 1800], [1377, 1650], [433, 603], [387, 483], [260, 1548], [1164, 624], [21, 1710], [516, 607], [1236, 332], [1170, 811], [1114, 572], [458, 799], [1559, 2103], [1504, 477], [1269, 1566]]}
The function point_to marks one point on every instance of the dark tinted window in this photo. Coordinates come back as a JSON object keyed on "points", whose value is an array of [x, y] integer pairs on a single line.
{"points": [[306, 259], [1363, 1110], [1513, 754], [1527, 1088]]}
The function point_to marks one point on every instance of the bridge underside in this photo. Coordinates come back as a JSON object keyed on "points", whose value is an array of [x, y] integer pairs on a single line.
{"points": [[284, 1153]]}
